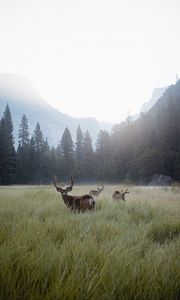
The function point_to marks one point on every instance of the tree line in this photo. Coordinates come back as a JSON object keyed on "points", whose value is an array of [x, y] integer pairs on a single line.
{"points": [[35, 162], [134, 151]]}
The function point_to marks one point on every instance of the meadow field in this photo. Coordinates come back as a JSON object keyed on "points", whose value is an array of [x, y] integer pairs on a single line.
{"points": [[127, 250]]}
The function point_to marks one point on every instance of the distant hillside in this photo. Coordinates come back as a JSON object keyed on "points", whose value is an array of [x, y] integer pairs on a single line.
{"points": [[157, 93], [148, 150], [22, 98], [168, 106]]}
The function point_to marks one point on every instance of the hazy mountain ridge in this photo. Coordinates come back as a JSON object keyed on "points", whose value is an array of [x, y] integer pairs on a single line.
{"points": [[168, 102], [156, 95], [23, 98], [149, 147]]}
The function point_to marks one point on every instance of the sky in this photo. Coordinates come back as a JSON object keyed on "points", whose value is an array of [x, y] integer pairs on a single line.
{"points": [[92, 58]]}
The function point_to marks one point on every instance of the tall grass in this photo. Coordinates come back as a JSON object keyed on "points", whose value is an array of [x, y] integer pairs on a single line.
{"points": [[121, 251]]}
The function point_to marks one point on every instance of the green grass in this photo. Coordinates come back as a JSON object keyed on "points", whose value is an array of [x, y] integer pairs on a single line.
{"points": [[121, 251]]}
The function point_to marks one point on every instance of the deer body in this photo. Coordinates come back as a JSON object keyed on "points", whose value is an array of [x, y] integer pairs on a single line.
{"points": [[119, 195], [96, 192], [79, 203], [76, 203]]}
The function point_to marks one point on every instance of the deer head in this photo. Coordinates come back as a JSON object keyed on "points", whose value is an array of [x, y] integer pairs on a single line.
{"points": [[123, 194], [96, 192], [120, 195], [100, 189], [64, 191]]}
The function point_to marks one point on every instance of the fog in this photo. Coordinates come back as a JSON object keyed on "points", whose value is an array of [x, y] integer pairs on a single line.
{"points": [[92, 58]]}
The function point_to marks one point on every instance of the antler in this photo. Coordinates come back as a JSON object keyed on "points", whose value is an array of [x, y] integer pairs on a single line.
{"points": [[54, 180], [126, 192], [69, 188]]}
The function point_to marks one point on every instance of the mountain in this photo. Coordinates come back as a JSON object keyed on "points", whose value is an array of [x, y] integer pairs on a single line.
{"points": [[168, 105], [18, 92], [147, 150], [157, 93]]}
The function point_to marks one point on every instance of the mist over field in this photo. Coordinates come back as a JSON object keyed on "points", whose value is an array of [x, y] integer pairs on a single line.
{"points": [[141, 151]]}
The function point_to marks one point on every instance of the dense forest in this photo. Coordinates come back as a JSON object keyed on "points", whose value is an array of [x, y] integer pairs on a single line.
{"points": [[133, 152]]}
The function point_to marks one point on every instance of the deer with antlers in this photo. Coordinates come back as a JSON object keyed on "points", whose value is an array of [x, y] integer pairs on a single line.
{"points": [[75, 203], [96, 192], [119, 195]]}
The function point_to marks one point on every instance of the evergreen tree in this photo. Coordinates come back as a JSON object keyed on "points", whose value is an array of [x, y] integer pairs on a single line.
{"points": [[150, 162], [38, 138], [66, 151], [60, 162], [37, 143], [54, 162], [79, 153], [40, 153], [121, 150], [32, 160], [46, 163], [7, 150], [23, 152], [23, 132], [88, 158], [103, 156]]}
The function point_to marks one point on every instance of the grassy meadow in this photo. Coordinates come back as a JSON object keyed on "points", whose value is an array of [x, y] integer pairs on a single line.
{"points": [[126, 250]]}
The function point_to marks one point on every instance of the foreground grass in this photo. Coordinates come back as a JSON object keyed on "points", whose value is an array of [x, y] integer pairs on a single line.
{"points": [[121, 251]]}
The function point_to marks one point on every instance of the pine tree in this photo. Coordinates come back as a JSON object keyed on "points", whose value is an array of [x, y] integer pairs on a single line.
{"points": [[37, 143], [60, 163], [38, 138], [54, 162], [23, 152], [7, 150], [46, 162], [23, 132], [88, 158], [103, 155], [79, 154], [66, 148], [32, 160]]}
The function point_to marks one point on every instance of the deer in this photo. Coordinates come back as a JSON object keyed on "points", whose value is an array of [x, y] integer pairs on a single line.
{"points": [[75, 203], [96, 192], [119, 195]]}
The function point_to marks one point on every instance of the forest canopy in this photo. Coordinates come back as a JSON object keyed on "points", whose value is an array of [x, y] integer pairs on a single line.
{"points": [[134, 151]]}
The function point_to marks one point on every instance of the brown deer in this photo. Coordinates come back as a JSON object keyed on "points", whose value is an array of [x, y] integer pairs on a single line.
{"points": [[96, 192], [120, 195], [75, 203]]}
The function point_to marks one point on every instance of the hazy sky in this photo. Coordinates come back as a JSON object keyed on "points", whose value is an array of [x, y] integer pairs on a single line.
{"points": [[99, 58]]}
